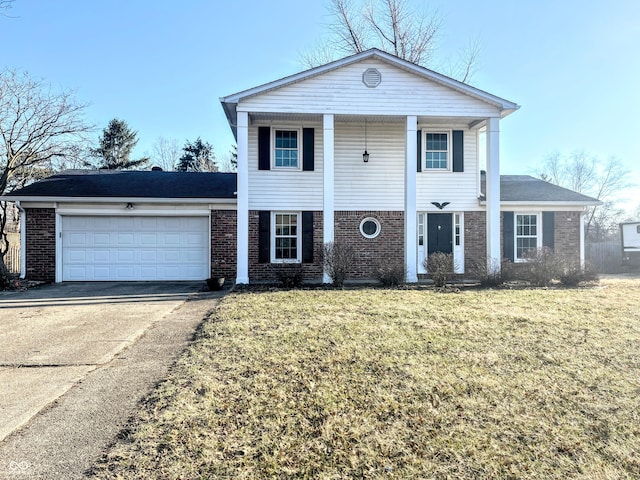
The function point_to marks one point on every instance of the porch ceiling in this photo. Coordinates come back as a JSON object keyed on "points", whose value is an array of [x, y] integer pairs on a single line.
{"points": [[423, 120]]}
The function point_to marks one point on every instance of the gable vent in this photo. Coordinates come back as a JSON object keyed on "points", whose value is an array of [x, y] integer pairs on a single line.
{"points": [[371, 77]]}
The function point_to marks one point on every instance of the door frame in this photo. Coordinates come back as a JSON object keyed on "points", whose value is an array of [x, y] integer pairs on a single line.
{"points": [[457, 240]]}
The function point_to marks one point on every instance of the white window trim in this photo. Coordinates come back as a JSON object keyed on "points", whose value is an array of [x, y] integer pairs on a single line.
{"points": [[538, 216], [273, 148], [370, 219], [423, 154], [272, 240]]}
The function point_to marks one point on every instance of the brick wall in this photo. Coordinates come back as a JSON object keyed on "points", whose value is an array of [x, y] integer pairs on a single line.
{"points": [[268, 272], [475, 240], [371, 253], [40, 244], [223, 243], [567, 235]]}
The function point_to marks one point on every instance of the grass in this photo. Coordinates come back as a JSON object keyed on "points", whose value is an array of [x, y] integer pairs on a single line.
{"points": [[513, 384]]}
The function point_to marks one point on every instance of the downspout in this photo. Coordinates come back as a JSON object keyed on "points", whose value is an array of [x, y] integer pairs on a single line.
{"points": [[23, 240], [582, 241]]}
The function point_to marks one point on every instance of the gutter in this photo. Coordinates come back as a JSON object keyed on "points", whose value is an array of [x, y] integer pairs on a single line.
{"points": [[190, 200]]}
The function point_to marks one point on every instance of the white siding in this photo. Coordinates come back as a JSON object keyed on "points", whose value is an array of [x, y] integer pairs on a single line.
{"points": [[459, 188], [282, 190], [378, 184], [341, 91]]}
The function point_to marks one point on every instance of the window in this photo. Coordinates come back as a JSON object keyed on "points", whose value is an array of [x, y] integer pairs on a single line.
{"points": [[370, 227], [286, 152], [457, 229], [526, 234], [286, 239], [437, 151]]}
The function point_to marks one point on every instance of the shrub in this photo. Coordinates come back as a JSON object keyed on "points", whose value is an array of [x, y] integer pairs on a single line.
{"points": [[574, 274], [491, 277], [543, 265], [338, 258], [289, 275], [391, 275], [440, 267]]}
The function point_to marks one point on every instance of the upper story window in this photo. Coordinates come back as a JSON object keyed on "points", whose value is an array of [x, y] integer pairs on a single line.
{"points": [[526, 234], [437, 150], [286, 149], [286, 237]]}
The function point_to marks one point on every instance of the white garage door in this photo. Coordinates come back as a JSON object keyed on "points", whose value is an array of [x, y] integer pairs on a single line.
{"points": [[134, 248]]}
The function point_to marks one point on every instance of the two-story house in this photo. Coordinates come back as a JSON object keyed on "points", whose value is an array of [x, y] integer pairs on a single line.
{"points": [[394, 159]]}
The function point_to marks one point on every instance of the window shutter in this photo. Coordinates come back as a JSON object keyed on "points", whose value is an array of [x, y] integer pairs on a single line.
{"points": [[508, 250], [419, 156], [307, 237], [264, 148], [548, 229], [458, 150], [264, 236], [308, 149]]}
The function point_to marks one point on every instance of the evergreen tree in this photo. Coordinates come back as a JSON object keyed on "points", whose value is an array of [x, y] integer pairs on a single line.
{"points": [[115, 146], [198, 156]]}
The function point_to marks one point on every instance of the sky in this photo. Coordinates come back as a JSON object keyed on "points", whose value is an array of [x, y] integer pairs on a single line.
{"points": [[163, 65]]}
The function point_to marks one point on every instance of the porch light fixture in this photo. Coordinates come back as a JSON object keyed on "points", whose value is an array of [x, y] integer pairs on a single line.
{"points": [[365, 155], [129, 206]]}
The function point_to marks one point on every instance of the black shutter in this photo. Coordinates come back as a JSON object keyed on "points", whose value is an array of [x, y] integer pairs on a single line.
{"points": [[264, 148], [419, 156], [264, 236], [307, 149], [548, 229], [507, 236], [458, 150], [307, 237]]}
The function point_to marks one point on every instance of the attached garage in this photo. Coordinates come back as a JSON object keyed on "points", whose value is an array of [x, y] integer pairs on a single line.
{"points": [[110, 225], [128, 248]]}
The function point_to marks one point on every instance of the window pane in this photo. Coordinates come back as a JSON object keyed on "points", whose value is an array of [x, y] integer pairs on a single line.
{"points": [[286, 148]]}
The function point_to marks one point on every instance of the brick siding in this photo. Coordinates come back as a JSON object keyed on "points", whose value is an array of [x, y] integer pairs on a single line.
{"points": [[475, 240], [40, 244], [371, 253], [260, 272], [567, 235], [223, 243]]}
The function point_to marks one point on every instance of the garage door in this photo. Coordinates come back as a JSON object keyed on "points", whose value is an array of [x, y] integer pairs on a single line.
{"points": [[134, 248]]}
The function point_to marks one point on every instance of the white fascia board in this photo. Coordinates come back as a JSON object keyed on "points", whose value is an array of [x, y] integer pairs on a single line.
{"points": [[27, 199], [543, 205], [230, 102]]}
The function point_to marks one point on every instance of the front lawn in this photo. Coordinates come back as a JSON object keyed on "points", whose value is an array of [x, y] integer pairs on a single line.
{"points": [[374, 383]]}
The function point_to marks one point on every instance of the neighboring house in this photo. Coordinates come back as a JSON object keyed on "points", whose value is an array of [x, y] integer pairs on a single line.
{"points": [[370, 150]]}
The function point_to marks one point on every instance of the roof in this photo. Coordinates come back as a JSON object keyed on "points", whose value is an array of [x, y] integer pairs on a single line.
{"points": [[131, 184], [230, 102], [528, 189]]}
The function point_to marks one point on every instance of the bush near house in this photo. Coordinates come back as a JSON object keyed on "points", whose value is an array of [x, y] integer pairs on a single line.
{"points": [[403, 384], [440, 266], [338, 259]]}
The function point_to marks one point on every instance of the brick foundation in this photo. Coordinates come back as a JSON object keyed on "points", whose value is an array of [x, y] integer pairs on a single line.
{"points": [[223, 243], [567, 235], [386, 249], [40, 236], [475, 240]]}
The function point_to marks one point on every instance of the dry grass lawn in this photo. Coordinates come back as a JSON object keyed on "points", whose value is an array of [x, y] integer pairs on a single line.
{"points": [[370, 383]]}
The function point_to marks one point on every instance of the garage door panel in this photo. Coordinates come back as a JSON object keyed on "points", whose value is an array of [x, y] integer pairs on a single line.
{"points": [[135, 248]]}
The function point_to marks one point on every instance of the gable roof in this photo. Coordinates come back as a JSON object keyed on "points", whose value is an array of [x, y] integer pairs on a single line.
{"points": [[130, 184], [528, 189], [230, 102]]}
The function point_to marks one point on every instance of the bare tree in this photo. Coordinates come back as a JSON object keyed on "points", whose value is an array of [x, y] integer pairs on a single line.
{"points": [[4, 6], [165, 153], [229, 161], [391, 26], [39, 129], [586, 174]]}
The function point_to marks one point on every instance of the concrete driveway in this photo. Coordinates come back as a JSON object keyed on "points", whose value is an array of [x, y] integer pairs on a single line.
{"points": [[83, 335]]}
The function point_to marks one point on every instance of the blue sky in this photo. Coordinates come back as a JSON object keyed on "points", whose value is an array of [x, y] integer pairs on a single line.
{"points": [[162, 65]]}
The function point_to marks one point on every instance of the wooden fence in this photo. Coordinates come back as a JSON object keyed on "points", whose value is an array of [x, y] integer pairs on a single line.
{"points": [[12, 259], [606, 256]]}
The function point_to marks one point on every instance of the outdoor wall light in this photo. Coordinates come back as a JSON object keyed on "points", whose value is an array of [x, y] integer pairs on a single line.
{"points": [[129, 206]]}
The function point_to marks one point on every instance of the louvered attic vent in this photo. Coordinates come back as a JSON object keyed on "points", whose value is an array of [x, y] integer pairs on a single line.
{"points": [[371, 77]]}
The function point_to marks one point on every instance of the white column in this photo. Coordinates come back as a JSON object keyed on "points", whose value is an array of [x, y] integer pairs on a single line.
{"points": [[328, 188], [242, 263], [582, 255], [410, 234], [493, 195]]}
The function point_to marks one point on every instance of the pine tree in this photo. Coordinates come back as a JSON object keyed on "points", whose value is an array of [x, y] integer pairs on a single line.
{"points": [[115, 147], [198, 157]]}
